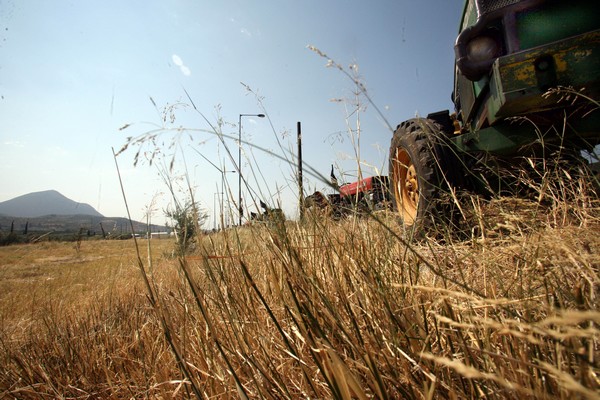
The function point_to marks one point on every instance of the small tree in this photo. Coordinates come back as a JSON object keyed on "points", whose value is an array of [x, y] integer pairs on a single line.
{"points": [[187, 222]]}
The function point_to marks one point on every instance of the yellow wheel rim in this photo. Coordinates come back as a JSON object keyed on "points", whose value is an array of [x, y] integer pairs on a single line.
{"points": [[406, 186]]}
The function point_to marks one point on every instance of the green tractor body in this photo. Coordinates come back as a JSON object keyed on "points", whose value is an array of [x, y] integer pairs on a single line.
{"points": [[508, 58], [523, 68]]}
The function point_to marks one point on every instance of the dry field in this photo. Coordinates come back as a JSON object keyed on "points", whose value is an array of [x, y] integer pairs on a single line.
{"points": [[323, 309]]}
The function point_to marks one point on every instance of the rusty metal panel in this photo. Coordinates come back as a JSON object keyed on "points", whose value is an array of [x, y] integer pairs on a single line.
{"points": [[519, 80]]}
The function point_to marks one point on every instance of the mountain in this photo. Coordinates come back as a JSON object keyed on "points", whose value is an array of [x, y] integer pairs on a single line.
{"points": [[50, 214], [48, 202]]}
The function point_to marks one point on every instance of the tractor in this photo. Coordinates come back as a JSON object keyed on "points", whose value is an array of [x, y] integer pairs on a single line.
{"points": [[363, 196], [526, 84]]}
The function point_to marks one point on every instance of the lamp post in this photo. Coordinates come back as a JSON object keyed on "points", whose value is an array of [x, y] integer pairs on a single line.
{"points": [[241, 208], [214, 212]]}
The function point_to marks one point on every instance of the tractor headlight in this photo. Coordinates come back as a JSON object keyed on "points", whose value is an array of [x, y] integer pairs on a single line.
{"points": [[476, 49], [482, 48]]}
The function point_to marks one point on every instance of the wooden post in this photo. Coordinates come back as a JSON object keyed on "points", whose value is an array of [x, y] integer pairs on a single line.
{"points": [[300, 189]]}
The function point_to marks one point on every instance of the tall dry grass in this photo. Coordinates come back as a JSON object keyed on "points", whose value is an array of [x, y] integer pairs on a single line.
{"points": [[319, 309]]}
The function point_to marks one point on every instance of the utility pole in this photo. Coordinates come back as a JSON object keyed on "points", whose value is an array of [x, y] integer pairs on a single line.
{"points": [[300, 189]]}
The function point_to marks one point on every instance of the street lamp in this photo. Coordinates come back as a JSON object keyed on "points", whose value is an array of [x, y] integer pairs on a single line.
{"points": [[214, 210], [241, 210]]}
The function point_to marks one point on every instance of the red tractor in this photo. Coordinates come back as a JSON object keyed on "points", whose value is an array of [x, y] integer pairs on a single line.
{"points": [[365, 195]]}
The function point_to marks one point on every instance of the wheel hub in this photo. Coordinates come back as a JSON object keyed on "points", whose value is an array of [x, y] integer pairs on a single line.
{"points": [[407, 186]]}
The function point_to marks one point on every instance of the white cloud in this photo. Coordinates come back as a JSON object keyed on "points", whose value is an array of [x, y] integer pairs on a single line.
{"points": [[185, 70], [14, 143], [177, 60], [57, 151]]}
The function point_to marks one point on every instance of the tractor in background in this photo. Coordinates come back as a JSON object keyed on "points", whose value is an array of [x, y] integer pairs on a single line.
{"points": [[363, 196]]}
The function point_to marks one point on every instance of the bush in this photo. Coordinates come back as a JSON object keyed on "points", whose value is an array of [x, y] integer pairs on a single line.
{"points": [[187, 221]]}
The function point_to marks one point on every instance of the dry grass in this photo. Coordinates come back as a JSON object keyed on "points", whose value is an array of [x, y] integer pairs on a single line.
{"points": [[37, 272], [321, 309], [70, 321]]}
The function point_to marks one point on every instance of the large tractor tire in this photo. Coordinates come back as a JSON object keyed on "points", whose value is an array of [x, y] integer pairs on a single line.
{"points": [[419, 170]]}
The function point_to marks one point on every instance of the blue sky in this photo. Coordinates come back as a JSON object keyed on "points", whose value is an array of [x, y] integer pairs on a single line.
{"points": [[72, 73]]}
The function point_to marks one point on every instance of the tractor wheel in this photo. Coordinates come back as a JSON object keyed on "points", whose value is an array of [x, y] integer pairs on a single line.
{"points": [[418, 156]]}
